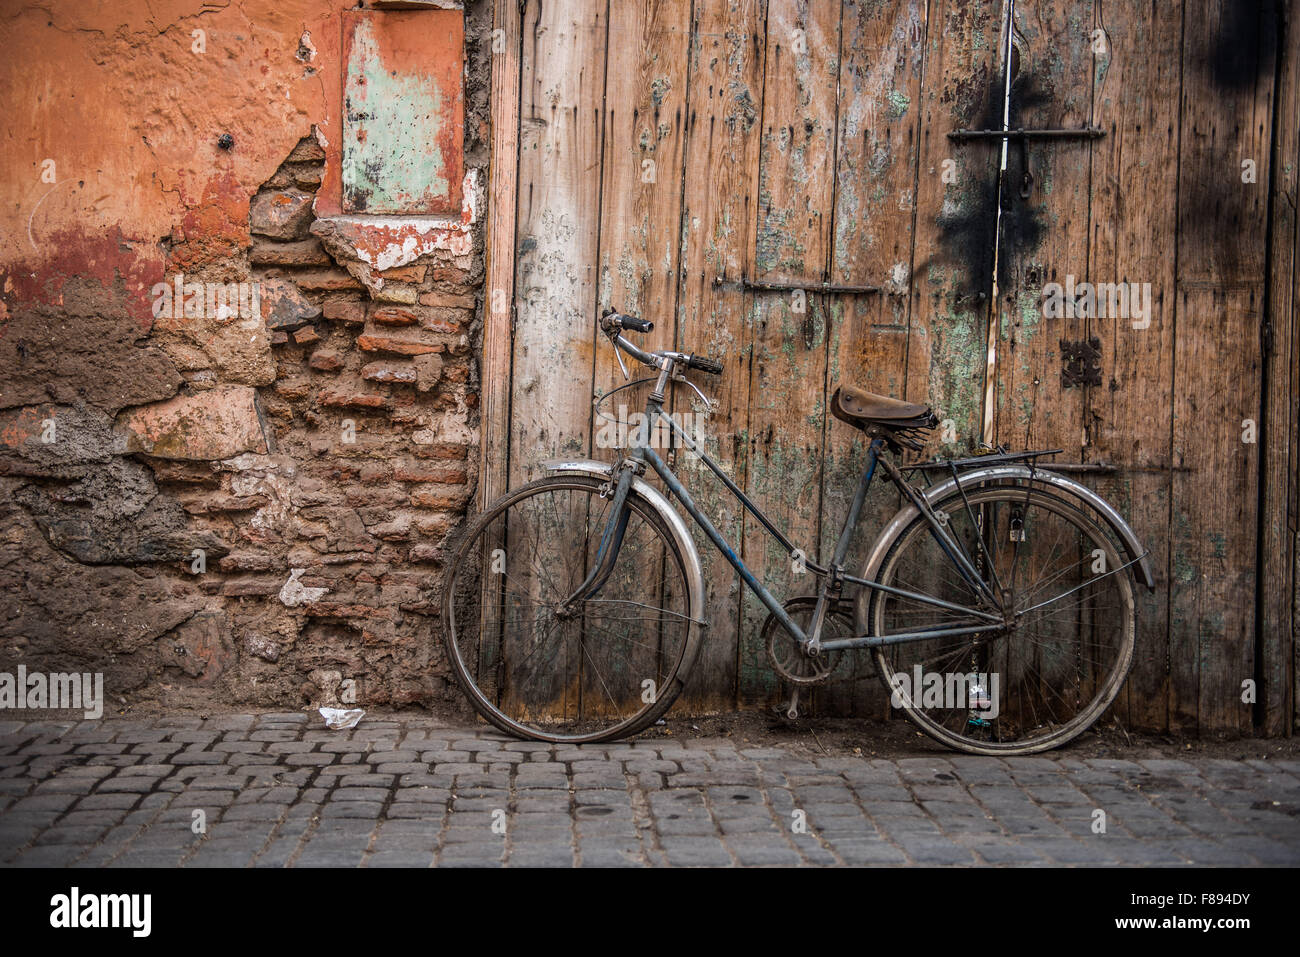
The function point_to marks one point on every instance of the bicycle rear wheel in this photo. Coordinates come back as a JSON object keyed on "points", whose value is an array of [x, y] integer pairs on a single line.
{"points": [[1046, 672], [603, 668]]}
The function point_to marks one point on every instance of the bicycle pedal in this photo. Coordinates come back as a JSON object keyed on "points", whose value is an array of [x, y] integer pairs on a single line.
{"points": [[784, 712]]}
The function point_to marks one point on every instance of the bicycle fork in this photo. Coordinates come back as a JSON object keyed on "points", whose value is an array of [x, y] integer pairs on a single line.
{"points": [[611, 541]]}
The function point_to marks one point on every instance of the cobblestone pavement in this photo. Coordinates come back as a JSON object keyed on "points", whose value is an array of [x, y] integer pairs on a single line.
{"points": [[278, 789]]}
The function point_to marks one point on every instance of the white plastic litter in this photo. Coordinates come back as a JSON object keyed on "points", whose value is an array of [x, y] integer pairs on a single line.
{"points": [[340, 719]]}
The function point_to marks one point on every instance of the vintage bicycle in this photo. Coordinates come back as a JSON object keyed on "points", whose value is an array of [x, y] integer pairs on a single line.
{"points": [[573, 606]]}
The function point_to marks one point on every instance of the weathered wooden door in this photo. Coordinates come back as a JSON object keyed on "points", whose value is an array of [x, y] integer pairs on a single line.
{"points": [[668, 150]]}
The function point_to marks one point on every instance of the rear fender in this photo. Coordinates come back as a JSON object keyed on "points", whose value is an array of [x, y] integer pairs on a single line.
{"points": [[1053, 480]]}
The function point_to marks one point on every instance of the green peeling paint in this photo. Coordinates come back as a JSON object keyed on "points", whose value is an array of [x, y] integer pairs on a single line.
{"points": [[391, 159]]}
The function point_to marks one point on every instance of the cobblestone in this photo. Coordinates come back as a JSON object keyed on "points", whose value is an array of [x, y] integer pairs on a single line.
{"points": [[278, 790]]}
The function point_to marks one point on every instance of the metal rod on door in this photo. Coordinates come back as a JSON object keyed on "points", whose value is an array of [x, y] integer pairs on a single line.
{"points": [[753, 285]]}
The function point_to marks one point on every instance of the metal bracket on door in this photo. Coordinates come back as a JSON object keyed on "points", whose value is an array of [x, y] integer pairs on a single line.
{"points": [[1080, 362], [754, 285], [1023, 137]]}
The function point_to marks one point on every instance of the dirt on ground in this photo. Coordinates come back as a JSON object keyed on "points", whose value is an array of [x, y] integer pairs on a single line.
{"points": [[867, 737], [836, 737]]}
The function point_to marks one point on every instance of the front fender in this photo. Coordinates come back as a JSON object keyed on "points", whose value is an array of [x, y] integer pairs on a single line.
{"points": [[941, 490], [676, 527]]}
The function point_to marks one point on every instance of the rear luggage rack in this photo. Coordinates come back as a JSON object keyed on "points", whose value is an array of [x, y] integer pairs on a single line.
{"points": [[998, 456]]}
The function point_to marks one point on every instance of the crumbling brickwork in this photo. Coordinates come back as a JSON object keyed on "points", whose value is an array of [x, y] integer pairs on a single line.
{"points": [[223, 508]]}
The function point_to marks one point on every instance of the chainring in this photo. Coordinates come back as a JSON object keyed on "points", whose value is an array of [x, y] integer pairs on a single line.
{"points": [[784, 653]]}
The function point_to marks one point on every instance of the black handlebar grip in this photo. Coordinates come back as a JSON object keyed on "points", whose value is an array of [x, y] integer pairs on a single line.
{"points": [[705, 364], [635, 324]]}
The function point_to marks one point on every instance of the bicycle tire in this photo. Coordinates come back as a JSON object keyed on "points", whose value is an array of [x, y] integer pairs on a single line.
{"points": [[488, 704]]}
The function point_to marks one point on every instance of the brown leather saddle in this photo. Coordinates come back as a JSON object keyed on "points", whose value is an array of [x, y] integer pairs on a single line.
{"points": [[898, 423]]}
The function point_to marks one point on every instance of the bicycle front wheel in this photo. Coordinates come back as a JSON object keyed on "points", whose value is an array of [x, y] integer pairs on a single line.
{"points": [[1048, 670], [538, 665]]}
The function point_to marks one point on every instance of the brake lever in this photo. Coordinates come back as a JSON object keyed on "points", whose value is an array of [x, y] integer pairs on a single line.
{"points": [[708, 403], [618, 354]]}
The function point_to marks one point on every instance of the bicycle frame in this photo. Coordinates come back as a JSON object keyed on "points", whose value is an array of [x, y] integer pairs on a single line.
{"points": [[833, 577]]}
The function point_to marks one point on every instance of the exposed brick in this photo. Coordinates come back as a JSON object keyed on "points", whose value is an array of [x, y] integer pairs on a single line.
{"points": [[450, 274], [396, 530], [440, 498], [449, 321], [388, 372], [394, 316], [448, 300], [427, 553], [402, 347], [413, 274], [247, 562], [308, 252], [325, 360], [345, 310], [442, 476], [281, 213], [357, 400], [248, 587], [306, 335], [295, 388], [443, 450], [435, 526], [398, 293], [216, 424], [324, 279]]}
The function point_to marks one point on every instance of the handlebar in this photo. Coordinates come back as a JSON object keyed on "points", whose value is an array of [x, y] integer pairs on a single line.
{"points": [[612, 323]]}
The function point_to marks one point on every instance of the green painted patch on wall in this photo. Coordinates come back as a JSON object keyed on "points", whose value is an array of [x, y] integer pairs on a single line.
{"points": [[393, 127]]}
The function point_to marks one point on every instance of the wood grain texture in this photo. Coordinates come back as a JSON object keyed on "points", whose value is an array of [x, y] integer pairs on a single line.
{"points": [[792, 241], [563, 79], [1132, 228], [1226, 116], [721, 170], [1281, 418], [877, 160], [1044, 238], [801, 141], [956, 201], [498, 311]]}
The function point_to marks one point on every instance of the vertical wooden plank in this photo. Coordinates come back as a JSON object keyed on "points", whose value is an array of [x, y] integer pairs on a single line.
{"points": [[494, 423], [1041, 240], [1226, 115], [956, 221], [791, 242], [875, 187], [640, 208], [726, 91], [559, 161], [1281, 418], [956, 201], [1132, 229], [640, 214]]}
